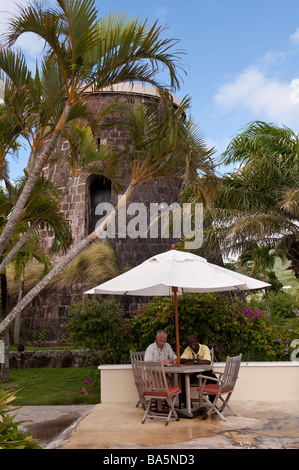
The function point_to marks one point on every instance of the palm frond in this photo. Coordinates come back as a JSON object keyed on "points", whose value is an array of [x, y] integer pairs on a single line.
{"points": [[159, 141], [289, 201], [92, 267]]}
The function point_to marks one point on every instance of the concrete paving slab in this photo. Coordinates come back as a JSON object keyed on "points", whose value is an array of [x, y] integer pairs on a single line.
{"points": [[51, 423], [260, 425]]}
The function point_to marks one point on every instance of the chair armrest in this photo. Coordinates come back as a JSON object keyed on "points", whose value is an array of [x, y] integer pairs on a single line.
{"points": [[200, 376]]}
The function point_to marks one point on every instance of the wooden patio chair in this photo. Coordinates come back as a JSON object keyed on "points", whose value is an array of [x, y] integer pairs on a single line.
{"points": [[137, 356], [154, 386], [197, 383], [222, 388]]}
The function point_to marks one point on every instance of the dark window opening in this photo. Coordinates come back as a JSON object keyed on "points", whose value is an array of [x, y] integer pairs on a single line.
{"points": [[100, 191]]}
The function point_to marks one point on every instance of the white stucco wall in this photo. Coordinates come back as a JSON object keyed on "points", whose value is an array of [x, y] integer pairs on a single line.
{"points": [[261, 381]]}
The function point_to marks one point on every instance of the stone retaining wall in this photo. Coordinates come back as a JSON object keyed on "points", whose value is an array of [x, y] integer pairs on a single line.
{"points": [[54, 358]]}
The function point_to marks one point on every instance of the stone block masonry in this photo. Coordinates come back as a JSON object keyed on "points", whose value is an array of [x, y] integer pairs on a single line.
{"points": [[50, 308], [50, 358]]}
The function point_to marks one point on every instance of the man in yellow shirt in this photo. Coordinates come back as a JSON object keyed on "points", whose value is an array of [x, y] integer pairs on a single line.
{"points": [[195, 353]]}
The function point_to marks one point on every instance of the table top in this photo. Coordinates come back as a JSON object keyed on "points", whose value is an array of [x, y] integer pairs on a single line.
{"points": [[187, 369]]}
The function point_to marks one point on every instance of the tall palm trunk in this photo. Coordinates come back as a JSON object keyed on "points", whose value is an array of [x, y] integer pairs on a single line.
{"points": [[32, 179], [66, 260], [293, 256], [5, 365], [17, 327]]}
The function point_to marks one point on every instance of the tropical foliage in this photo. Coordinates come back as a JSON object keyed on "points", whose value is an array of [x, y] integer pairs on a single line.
{"points": [[83, 57], [266, 213], [281, 304], [93, 266], [245, 212], [229, 326], [97, 326], [160, 140], [84, 156], [10, 436]]}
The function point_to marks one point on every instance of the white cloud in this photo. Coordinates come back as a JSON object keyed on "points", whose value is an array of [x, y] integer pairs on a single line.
{"points": [[29, 43], [162, 12], [295, 36], [219, 145], [266, 98]]}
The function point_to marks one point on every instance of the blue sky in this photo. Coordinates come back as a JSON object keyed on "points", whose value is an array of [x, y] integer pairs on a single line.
{"points": [[242, 59]]}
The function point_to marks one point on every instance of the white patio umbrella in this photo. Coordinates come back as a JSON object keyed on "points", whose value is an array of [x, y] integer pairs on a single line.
{"points": [[176, 272]]}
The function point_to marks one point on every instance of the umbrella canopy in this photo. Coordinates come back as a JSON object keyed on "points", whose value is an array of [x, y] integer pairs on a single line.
{"points": [[176, 272], [173, 268]]}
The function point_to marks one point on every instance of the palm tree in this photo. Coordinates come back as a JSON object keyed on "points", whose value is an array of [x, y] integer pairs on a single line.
{"points": [[92, 266], [162, 144], [259, 260], [161, 141], [204, 189], [42, 210], [84, 56], [30, 251], [257, 204], [267, 179]]}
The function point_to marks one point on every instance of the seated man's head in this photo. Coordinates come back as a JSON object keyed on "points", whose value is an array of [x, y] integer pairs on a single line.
{"points": [[193, 342], [161, 339]]}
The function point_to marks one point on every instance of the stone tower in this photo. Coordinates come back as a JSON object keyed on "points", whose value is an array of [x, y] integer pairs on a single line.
{"points": [[79, 204]]}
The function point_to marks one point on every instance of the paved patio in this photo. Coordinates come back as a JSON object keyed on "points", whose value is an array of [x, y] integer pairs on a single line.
{"points": [[260, 425]]}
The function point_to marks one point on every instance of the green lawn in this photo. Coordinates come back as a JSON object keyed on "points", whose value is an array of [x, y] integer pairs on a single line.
{"points": [[49, 386]]}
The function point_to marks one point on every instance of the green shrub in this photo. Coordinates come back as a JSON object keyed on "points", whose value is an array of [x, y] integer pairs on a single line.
{"points": [[276, 285], [281, 304], [230, 327], [97, 325]]}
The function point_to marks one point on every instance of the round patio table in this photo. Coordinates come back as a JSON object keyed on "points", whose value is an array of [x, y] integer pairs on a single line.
{"points": [[187, 370]]}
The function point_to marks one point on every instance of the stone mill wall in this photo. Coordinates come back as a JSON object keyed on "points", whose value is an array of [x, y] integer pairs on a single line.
{"points": [[48, 311]]}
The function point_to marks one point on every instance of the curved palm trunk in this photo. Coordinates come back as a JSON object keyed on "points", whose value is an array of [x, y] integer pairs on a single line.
{"points": [[32, 179], [66, 260], [19, 244]]}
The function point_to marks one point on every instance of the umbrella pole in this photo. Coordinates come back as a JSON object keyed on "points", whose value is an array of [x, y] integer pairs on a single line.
{"points": [[177, 336], [176, 317]]}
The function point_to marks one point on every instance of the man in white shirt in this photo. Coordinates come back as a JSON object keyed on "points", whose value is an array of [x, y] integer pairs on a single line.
{"points": [[160, 350]]}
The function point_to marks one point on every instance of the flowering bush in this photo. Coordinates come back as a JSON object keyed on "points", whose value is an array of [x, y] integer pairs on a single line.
{"points": [[230, 327], [88, 387], [282, 304]]}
